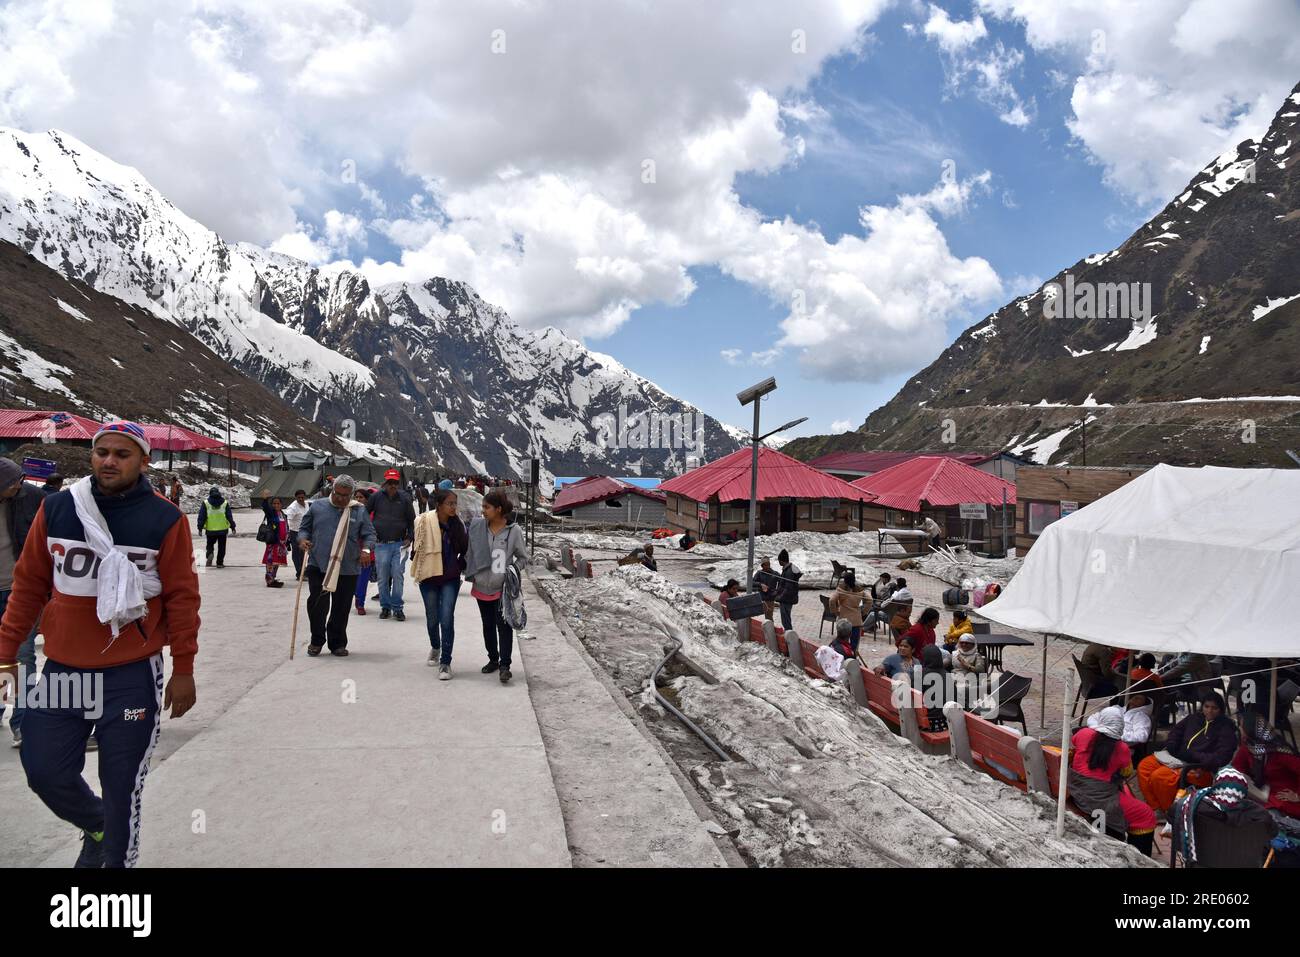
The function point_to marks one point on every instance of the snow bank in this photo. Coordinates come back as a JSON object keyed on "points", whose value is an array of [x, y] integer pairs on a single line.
{"points": [[819, 780], [192, 495], [969, 571]]}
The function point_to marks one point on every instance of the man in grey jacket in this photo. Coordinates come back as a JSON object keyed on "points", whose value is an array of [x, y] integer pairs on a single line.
{"points": [[328, 611]]}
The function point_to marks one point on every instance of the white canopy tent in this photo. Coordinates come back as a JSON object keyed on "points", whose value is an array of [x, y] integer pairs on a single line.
{"points": [[1180, 559]]}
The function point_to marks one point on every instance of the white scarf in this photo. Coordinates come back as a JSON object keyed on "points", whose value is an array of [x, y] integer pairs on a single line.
{"points": [[339, 546], [123, 588]]}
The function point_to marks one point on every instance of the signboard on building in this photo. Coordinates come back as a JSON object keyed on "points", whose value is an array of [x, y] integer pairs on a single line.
{"points": [[1068, 507], [977, 511]]}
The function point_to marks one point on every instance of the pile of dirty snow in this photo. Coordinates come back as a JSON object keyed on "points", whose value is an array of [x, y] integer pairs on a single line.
{"points": [[192, 495], [968, 570], [818, 780]]}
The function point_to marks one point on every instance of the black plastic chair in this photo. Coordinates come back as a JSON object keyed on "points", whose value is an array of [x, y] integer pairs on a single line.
{"points": [[981, 628], [827, 615], [1011, 691], [837, 572], [1084, 691]]}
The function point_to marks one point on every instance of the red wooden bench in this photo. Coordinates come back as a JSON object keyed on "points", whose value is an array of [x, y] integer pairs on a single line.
{"points": [[995, 751], [880, 699], [810, 665]]}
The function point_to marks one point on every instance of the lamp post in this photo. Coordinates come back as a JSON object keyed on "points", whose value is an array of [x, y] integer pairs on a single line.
{"points": [[754, 394]]}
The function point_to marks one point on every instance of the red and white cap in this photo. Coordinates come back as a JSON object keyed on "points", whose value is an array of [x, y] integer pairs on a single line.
{"points": [[392, 475]]}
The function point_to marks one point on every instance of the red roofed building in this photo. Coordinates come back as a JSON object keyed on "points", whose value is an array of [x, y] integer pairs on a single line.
{"points": [[712, 501], [935, 486], [20, 426], [599, 498], [852, 466]]}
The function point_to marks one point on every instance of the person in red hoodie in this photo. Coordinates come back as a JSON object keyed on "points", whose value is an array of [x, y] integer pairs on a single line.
{"points": [[922, 633], [111, 563]]}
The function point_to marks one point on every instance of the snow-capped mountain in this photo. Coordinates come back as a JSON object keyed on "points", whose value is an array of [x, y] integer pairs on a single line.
{"points": [[426, 367], [1200, 303]]}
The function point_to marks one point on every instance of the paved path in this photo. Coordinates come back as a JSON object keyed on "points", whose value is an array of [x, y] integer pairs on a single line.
{"points": [[361, 761]]}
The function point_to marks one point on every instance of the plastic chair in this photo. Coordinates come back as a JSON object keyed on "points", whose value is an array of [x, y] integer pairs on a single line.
{"points": [[837, 572], [1084, 691], [1239, 840], [827, 615], [1011, 691], [981, 628]]}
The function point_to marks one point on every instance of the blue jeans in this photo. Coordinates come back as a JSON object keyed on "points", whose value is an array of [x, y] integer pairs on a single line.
{"points": [[440, 615], [390, 568], [27, 659]]}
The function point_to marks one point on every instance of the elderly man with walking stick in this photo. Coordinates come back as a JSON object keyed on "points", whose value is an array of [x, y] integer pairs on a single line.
{"points": [[338, 539]]}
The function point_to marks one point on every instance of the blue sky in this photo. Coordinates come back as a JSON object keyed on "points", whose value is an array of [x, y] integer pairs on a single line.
{"points": [[834, 188]]}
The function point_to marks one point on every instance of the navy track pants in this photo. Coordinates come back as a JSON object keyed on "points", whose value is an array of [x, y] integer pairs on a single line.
{"points": [[123, 705]]}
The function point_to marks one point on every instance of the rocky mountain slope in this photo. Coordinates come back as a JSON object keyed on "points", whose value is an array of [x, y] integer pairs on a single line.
{"points": [[66, 346], [1221, 263], [427, 367]]}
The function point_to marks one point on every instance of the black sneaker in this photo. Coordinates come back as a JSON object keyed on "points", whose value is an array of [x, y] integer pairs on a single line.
{"points": [[92, 850], [505, 676], [490, 667], [385, 613], [399, 615]]}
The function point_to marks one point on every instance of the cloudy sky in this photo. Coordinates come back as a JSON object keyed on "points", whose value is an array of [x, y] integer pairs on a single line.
{"points": [[712, 192]]}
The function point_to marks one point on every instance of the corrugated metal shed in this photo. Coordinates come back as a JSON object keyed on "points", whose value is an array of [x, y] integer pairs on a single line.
{"points": [[597, 488], [779, 477], [936, 481], [31, 423], [872, 462]]}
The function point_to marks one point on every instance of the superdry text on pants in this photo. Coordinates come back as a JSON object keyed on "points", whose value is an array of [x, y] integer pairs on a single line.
{"points": [[123, 705]]}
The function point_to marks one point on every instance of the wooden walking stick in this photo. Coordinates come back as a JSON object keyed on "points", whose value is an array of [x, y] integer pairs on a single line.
{"points": [[297, 600]]}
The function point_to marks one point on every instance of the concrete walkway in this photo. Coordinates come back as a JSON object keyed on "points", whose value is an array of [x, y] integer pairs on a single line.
{"points": [[361, 761]]}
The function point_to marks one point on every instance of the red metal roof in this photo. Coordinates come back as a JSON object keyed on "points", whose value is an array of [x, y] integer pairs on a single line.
{"points": [[175, 438], [872, 462], [70, 427], [598, 488], [30, 423], [779, 476], [935, 480]]}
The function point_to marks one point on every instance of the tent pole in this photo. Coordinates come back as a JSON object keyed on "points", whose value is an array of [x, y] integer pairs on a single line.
{"points": [[1065, 756], [1128, 678], [1042, 701], [1272, 695]]}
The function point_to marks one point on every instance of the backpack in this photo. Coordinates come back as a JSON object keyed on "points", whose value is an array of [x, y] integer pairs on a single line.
{"points": [[513, 611]]}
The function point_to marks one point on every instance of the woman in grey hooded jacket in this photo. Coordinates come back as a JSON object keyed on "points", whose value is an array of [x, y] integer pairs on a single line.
{"points": [[494, 542]]}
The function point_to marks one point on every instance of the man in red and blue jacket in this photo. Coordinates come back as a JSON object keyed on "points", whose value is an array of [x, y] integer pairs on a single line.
{"points": [[93, 679]]}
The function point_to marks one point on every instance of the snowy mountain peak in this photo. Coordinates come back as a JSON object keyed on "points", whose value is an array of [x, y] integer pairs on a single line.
{"points": [[430, 365]]}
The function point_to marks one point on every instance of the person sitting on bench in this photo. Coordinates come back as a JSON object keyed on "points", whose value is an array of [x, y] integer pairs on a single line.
{"points": [[688, 541], [729, 590], [922, 633], [900, 661], [1099, 764]]}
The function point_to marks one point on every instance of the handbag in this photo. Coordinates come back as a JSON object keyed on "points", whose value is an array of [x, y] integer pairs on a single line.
{"points": [[264, 533]]}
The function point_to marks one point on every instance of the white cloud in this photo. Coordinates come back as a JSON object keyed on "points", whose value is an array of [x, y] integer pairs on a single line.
{"points": [[953, 36], [571, 177], [1161, 87], [732, 356], [841, 425]]}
